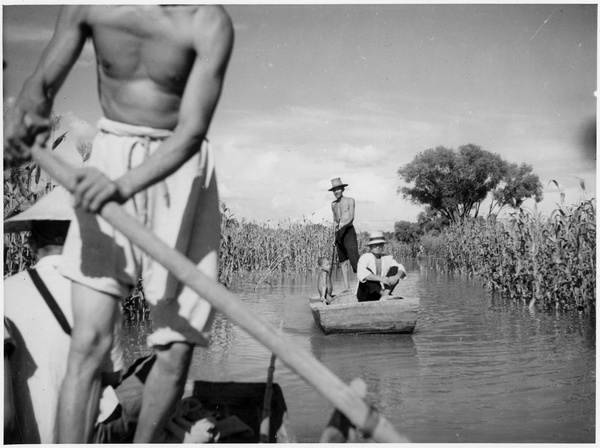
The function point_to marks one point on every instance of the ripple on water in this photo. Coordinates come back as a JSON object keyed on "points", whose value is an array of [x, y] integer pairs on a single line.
{"points": [[477, 369]]}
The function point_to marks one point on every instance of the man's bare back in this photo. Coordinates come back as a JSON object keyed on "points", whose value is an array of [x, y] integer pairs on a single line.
{"points": [[145, 55]]}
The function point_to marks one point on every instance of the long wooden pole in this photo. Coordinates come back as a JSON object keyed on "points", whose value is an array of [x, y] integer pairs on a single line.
{"points": [[265, 424], [298, 359], [333, 251]]}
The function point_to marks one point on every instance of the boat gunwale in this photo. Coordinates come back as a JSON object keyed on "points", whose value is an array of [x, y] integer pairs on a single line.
{"points": [[316, 304]]}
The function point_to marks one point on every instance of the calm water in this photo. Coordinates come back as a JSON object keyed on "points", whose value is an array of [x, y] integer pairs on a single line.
{"points": [[476, 369]]}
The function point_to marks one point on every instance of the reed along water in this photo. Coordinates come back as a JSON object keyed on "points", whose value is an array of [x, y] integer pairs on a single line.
{"points": [[477, 369]]}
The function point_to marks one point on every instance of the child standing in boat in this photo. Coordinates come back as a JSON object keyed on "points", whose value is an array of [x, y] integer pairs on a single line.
{"points": [[324, 285]]}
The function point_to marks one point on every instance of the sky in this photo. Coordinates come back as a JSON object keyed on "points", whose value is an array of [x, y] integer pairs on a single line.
{"points": [[314, 92]]}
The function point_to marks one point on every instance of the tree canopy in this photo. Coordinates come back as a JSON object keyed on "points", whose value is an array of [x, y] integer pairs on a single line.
{"points": [[455, 183], [406, 232], [518, 184]]}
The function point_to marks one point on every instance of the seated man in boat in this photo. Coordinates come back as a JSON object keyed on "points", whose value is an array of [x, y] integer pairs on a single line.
{"points": [[378, 274]]}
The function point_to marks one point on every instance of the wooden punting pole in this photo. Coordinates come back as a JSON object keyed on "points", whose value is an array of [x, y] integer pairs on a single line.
{"points": [[298, 359]]}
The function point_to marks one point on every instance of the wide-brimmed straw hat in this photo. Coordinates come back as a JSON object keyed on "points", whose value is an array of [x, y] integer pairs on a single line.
{"points": [[54, 206], [376, 238], [337, 183]]}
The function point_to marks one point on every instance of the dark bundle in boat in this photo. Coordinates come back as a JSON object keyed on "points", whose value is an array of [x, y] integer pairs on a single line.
{"points": [[223, 412], [244, 401]]}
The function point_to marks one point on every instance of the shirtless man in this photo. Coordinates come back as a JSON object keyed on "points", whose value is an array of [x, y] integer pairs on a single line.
{"points": [[160, 74], [345, 235]]}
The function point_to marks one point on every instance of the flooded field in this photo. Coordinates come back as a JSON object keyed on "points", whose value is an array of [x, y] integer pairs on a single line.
{"points": [[476, 369]]}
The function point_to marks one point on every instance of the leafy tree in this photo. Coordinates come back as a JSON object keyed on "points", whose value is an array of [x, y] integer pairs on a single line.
{"points": [[518, 184], [455, 183], [406, 232], [479, 173], [428, 171], [431, 221]]}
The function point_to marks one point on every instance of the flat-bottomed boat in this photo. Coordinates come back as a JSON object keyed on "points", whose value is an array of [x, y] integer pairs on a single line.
{"points": [[346, 315]]}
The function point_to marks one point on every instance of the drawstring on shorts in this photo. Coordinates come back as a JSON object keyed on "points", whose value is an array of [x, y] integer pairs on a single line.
{"points": [[140, 199]]}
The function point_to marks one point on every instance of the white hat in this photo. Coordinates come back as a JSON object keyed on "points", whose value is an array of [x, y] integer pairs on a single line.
{"points": [[376, 238], [54, 206]]}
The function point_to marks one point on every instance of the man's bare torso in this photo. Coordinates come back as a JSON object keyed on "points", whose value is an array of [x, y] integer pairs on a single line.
{"points": [[144, 56], [341, 209]]}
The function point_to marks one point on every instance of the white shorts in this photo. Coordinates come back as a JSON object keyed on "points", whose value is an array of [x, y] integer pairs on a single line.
{"points": [[183, 211]]}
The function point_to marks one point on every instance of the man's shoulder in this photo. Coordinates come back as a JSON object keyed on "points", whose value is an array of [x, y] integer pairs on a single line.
{"points": [[17, 279], [211, 13], [212, 28], [77, 13], [212, 18], [18, 288], [207, 17], [393, 260], [46, 267]]}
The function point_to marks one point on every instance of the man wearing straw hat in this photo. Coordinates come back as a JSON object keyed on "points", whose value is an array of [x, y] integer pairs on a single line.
{"points": [[161, 69], [345, 235], [38, 320], [378, 274]]}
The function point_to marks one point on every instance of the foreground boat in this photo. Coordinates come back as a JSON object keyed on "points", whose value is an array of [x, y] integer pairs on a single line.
{"points": [[346, 315], [216, 412], [210, 412]]}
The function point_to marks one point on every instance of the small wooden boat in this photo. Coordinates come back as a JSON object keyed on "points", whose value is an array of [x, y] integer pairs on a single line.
{"points": [[346, 315], [210, 412]]}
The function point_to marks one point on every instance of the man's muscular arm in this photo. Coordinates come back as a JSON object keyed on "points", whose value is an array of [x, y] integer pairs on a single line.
{"points": [[28, 118], [213, 43], [380, 278]]}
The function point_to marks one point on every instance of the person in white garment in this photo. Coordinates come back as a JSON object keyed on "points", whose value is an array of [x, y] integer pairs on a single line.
{"points": [[378, 274], [37, 324]]}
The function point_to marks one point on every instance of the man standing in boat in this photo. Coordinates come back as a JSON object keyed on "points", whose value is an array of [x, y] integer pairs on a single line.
{"points": [[345, 235], [160, 73], [378, 274]]}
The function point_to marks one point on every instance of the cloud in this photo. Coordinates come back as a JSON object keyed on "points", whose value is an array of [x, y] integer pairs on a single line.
{"points": [[240, 27], [25, 35], [371, 187], [353, 156], [267, 155]]}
